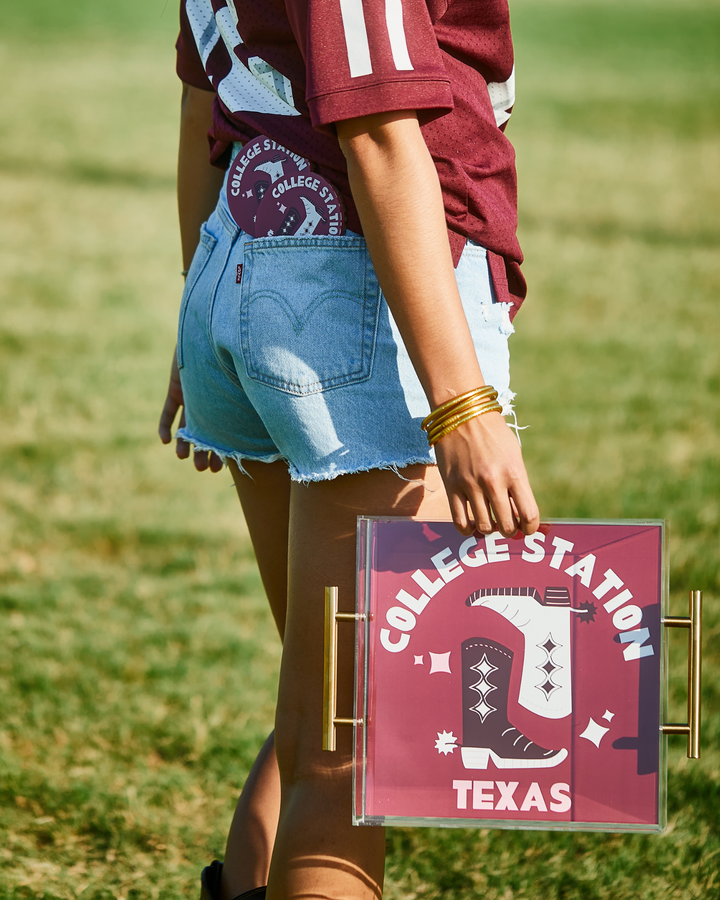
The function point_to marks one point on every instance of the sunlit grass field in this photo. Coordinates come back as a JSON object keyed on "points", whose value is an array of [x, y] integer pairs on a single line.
{"points": [[138, 662]]}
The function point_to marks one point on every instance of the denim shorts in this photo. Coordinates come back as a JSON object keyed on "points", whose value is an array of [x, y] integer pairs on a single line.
{"points": [[287, 350]]}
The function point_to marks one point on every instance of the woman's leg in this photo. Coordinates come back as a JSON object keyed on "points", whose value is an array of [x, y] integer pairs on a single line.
{"points": [[264, 493], [252, 831], [318, 853]]}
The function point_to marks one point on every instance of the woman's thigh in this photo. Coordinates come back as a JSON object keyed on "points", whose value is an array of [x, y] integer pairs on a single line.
{"points": [[264, 493], [322, 552]]}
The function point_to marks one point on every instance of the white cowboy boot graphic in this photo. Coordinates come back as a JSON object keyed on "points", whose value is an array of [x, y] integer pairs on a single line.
{"points": [[274, 170], [545, 685], [312, 218], [273, 167], [487, 731]]}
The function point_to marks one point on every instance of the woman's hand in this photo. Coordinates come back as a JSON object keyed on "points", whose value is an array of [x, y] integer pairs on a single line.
{"points": [[174, 402], [483, 471]]}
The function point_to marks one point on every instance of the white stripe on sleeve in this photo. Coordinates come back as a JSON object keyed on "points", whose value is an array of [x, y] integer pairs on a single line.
{"points": [[502, 97], [396, 31], [356, 39]]}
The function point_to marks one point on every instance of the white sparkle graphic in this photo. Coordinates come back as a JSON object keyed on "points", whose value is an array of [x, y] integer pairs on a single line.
{"points": [[418, 660], [446, 742], [440, 662], [282, 208], [608, 716], [484, 667], [548, 668], [483, 687], [594, 732], [483, 709]]}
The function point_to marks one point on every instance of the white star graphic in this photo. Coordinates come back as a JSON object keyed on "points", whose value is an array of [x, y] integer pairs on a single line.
{"points": [[483, 709], [446, 742], [484, 667], [439, 662], [594, 732]]}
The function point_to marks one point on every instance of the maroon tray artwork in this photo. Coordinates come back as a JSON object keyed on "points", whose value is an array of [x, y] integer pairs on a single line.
{"points": [[512, 683]]}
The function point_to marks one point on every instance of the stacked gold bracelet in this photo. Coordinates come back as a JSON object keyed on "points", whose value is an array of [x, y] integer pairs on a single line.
{"points": [[447, 417]]}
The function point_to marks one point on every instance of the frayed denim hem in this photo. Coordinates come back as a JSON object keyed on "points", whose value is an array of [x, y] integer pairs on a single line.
{"points": [[396, 467], [508, 411], [296, 475], [225, 455]]}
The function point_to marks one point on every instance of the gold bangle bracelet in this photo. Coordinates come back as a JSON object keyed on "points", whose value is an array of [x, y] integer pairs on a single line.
{"points": [[445, 431], [476, 409], [436, 436], [450, 405], [461, 408]]}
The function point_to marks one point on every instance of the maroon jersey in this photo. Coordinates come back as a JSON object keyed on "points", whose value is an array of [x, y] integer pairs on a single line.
{"points": [[290, 69]]}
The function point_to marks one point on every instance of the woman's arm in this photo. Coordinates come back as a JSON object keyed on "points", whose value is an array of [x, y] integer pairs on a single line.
{"points": [[398, 196], [198, 185], [198, 182]]}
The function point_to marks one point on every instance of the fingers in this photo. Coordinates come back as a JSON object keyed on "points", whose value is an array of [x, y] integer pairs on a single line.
{"points": [[167, 418], [485, 478], [182, 447], [527, 513], [173, 402], [202, 459], [206, 459], [501, 513], [482, 513], [458, 510], [481, 518], [490, 516]]}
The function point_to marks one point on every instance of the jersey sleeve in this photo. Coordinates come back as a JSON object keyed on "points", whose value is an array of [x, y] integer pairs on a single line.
{"points": [[369, 56], [188, 64]]}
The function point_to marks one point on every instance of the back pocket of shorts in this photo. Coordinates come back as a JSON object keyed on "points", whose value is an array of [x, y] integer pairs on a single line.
{"points": [[308, 312], [205, 247]]}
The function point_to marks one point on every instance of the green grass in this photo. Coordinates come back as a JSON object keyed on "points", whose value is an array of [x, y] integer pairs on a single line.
{"points": [[44, 21], [138, 668]]}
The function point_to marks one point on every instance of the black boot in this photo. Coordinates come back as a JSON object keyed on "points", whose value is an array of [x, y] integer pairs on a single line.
{"points": [[210, 884], [487, 732]]}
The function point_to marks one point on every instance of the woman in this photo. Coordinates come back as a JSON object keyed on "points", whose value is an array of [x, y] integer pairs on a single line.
{"points": [[308, 382]]}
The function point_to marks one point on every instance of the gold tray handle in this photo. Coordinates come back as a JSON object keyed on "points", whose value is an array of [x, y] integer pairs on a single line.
{"points": [[332, 617], [694, 623]]}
